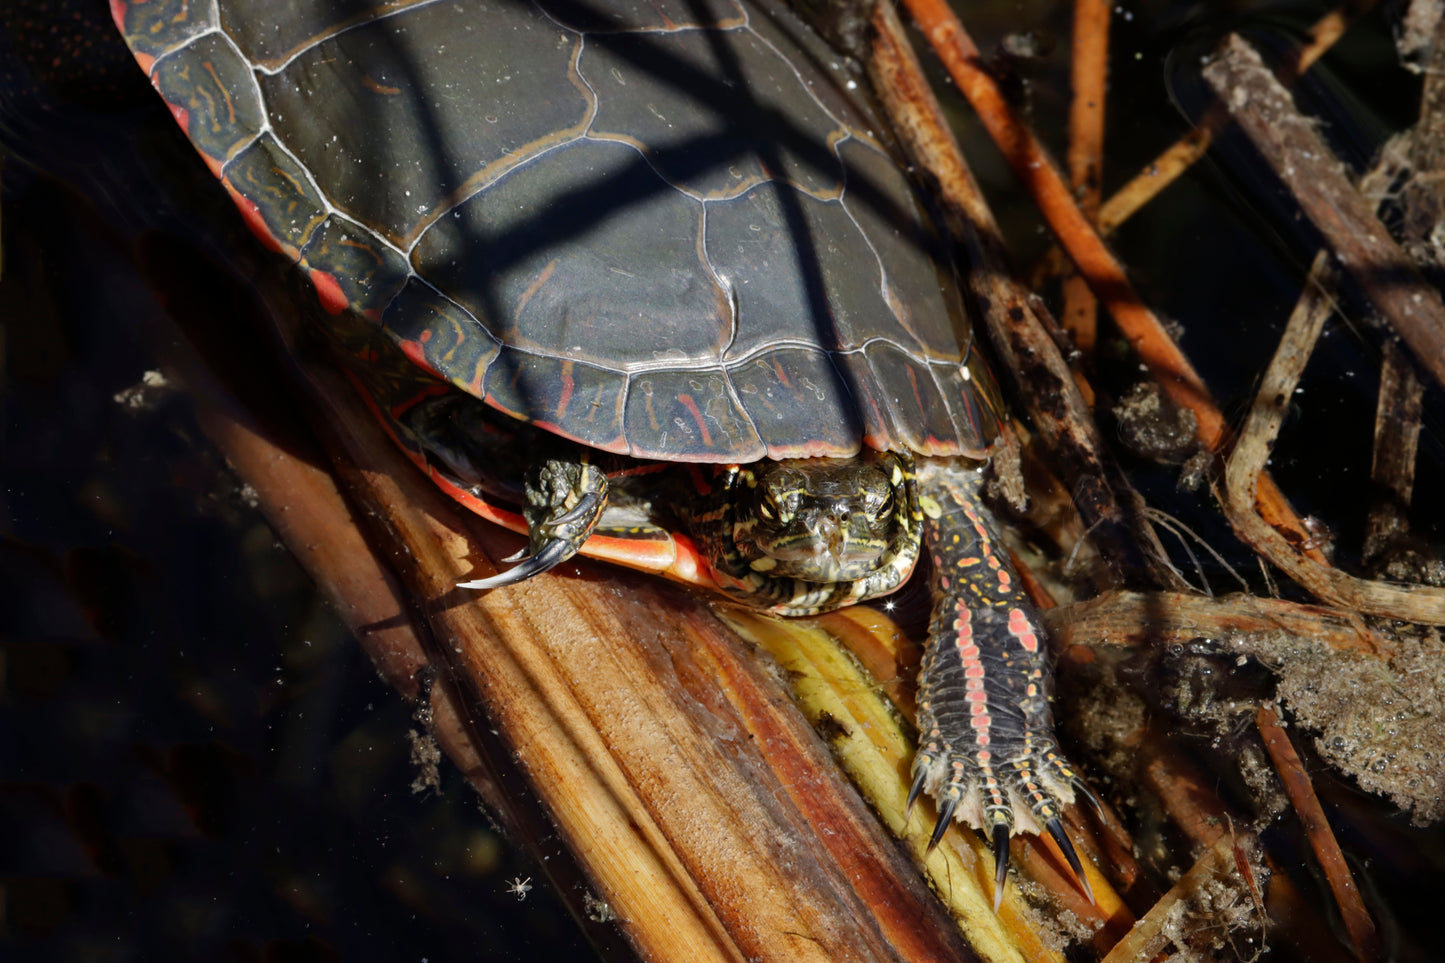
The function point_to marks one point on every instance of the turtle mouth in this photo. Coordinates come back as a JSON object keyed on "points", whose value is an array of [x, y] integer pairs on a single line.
{"points": [[838, 542], [820, 520], [826, 548]]}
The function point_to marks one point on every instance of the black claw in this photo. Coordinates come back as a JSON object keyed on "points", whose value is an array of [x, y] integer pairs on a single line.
{"points": [[589, 504], [1000, 862], [913, 791], [1088, 795], [945, 817], [1056, 830], [552, 554]]}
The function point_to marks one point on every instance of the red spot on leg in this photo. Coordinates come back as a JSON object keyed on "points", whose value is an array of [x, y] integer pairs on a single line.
{"points": [[1022, 629]]}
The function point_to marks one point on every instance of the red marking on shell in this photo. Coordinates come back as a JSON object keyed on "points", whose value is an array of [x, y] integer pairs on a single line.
{"points": [[638, 471], [692, 409], [399, 410], [812, 449], [329, 292], [251, 214], [183, 117], [933, 445], [551, 428], [617, 445], [568, 384], [378, 88], [913, 384], [118, 10], [781, 374], [976, 695], [416, 354], [981, 721], [506, 519]]}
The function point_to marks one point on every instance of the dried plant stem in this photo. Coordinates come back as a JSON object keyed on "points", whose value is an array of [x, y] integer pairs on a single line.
{"points": [[1106, 276], [1018, 321], [1397, 442], [1036, 171], [1188, 794], [1299, 157], [1154, 932], [1181, 155], [1170, 618], [1327, 849], [1246, 462], [1089, 74]]}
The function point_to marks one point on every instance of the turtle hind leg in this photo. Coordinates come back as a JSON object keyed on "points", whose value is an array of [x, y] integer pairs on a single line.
{"points": [[565, 501]]}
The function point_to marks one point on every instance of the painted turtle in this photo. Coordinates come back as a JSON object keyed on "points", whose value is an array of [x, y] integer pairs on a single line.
{"points": [[711, 326]]}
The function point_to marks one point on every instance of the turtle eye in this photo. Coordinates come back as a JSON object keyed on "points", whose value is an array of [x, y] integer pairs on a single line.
{"points": [[879, 504], [780, 498], [776, 507], [787, 507], [781, 505]]}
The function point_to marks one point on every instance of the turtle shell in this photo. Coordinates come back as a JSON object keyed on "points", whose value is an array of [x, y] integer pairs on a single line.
{"points": [[660, 229]]}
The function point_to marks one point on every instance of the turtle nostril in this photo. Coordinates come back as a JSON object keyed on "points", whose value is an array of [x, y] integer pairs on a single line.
{"points": [[827, 533]]}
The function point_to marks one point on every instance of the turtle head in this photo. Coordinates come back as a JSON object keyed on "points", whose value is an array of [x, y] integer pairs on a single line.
{"points": [[819, 519]]}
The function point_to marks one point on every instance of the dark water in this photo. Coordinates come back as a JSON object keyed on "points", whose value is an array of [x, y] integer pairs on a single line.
{"points": [[198, 762]]}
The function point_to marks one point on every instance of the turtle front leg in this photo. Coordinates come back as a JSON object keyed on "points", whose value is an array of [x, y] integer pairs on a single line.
{"points": [[987, 751], [565, 501]]}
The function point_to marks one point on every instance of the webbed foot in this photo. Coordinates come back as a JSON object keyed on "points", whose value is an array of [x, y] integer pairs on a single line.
{"points": [[1025, 792]]}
